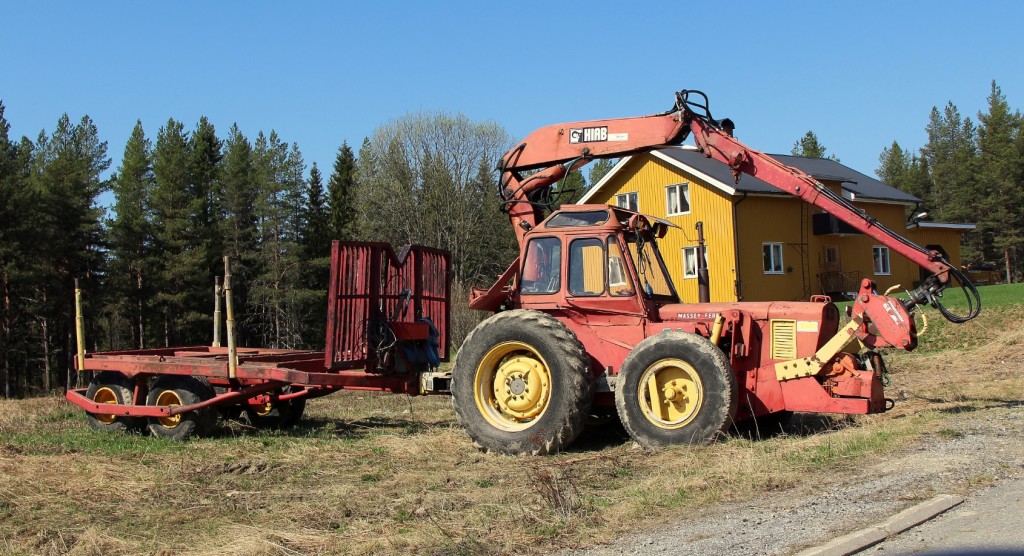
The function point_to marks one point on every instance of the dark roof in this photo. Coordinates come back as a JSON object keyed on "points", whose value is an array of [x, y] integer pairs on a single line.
{"points": [[861, 185]]}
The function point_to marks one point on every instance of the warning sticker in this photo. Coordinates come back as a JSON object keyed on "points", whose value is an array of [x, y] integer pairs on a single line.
{"points": [[806, 326]]}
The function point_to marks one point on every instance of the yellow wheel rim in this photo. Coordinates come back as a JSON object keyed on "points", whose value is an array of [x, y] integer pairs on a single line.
{"points": [[263, 410], [512, 386], [172, 399], [670, 393], [107, 396]]}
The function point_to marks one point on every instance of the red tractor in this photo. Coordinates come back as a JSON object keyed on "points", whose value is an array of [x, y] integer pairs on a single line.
{"points": [[587, 317]]}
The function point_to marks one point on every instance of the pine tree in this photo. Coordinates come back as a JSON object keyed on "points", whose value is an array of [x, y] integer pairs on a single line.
{"points": [[238, 220], [1001, 218], [569, 189], [181, 260], [204, 187], [598, 170], [276, 301], [131, 236], [67, 242], [15, 227], [951, 156], [316, 243], [315, 234], [810, 147], [341, 188]]}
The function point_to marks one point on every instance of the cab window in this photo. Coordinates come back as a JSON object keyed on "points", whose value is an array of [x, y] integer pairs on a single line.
{"points": [[542, 269], [649, 268], [618, 279], [586, 267]]}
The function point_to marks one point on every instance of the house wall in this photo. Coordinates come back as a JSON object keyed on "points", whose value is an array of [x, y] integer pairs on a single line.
{"points": [[777, 219], [760, 219], [649, 176], [948, 239], [772, 219]]}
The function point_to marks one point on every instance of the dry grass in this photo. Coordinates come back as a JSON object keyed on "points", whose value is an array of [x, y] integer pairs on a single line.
{"points": [[372, 473]]}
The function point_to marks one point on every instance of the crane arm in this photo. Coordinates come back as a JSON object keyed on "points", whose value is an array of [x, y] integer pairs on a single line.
{"points": [[558, 149]]}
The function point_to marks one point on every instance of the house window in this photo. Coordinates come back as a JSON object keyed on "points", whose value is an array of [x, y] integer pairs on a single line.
{"points": [[690, 262], [627, 201], [880, 255], [677, 199], [772, 258]]}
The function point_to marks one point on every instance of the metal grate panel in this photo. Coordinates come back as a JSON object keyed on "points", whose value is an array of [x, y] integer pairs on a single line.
{"points": [[783, 339]]}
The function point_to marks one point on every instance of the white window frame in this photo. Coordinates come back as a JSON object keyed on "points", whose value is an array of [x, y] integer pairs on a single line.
{"points": [[775, 264], [882, 257], [622, 201], [687, 253], [682, 193]]}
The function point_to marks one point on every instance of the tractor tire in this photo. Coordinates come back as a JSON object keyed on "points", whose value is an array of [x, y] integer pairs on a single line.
{"points": [[675, 388], [521, 384], [109, 387], [280, 415], [176, 390]]}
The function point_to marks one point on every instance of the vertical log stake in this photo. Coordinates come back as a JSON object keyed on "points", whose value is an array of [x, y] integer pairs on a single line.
{"points": [[216, 311], [232, 346], [79, 327]]}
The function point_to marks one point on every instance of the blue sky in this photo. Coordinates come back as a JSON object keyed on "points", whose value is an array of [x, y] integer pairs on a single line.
{"points": [[859, 74]]}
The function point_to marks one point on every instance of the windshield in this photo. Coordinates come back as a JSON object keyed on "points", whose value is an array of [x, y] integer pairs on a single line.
{"points": [[650, 269]]}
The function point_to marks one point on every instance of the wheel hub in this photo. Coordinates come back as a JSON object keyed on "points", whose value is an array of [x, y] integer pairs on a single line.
{"points": [[518, 388], [670, 393], [513, 386]]}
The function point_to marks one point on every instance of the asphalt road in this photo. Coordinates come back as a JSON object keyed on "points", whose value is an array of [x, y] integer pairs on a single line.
{"points": [[988, 522]]}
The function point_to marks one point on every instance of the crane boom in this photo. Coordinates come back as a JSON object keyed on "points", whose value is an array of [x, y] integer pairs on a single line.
{"points": [[556, 150]]}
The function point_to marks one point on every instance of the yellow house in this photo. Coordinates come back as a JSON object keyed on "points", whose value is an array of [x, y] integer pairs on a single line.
{"points": [[763, 244]]}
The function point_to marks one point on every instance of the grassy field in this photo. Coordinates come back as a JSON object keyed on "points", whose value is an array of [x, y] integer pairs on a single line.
{"points": [[369, 473]]}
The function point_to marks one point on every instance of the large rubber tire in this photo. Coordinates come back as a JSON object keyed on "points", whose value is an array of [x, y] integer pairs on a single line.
{"points": [[675, 388], [501, 360], [181, 390], [280, 415], [109, 387]]}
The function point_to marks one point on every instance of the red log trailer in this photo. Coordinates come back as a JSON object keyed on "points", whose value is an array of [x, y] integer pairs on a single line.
{"points": [[387, 331], [586, 321]]}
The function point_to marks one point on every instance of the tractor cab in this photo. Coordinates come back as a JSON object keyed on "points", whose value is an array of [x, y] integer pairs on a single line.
{"points": [[595, 257]]}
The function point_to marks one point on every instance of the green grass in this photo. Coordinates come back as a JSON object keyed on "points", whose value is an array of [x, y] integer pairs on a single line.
{"points": [[996, 296]]}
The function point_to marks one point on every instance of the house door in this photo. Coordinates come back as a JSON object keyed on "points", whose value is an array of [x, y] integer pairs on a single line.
{"points": [[831, 272]]}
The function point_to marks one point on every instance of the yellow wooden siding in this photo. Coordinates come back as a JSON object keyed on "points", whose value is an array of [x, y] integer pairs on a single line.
{"points": [[649, 178], [948, 239], [777, 219], [770, 219], [761, 219]]}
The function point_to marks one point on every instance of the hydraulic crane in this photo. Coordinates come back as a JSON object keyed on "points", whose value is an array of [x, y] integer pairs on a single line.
{"points": [[526, 377]]}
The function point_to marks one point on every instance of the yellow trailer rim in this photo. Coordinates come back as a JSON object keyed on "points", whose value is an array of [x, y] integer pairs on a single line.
{"points": [[172, 399], [104, 395]]}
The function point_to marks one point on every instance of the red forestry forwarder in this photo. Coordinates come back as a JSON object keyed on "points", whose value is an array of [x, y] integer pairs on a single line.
{"points": [[586, 320]]}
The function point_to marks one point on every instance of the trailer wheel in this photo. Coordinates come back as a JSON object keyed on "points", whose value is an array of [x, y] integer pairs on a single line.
{"points": [[177, 390], [280, 415], [521, 384], [110, 387], [675, 388]]}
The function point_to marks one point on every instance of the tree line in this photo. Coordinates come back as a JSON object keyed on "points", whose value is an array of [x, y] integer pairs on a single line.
{"points": [[187, 198], [970, 173]]}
